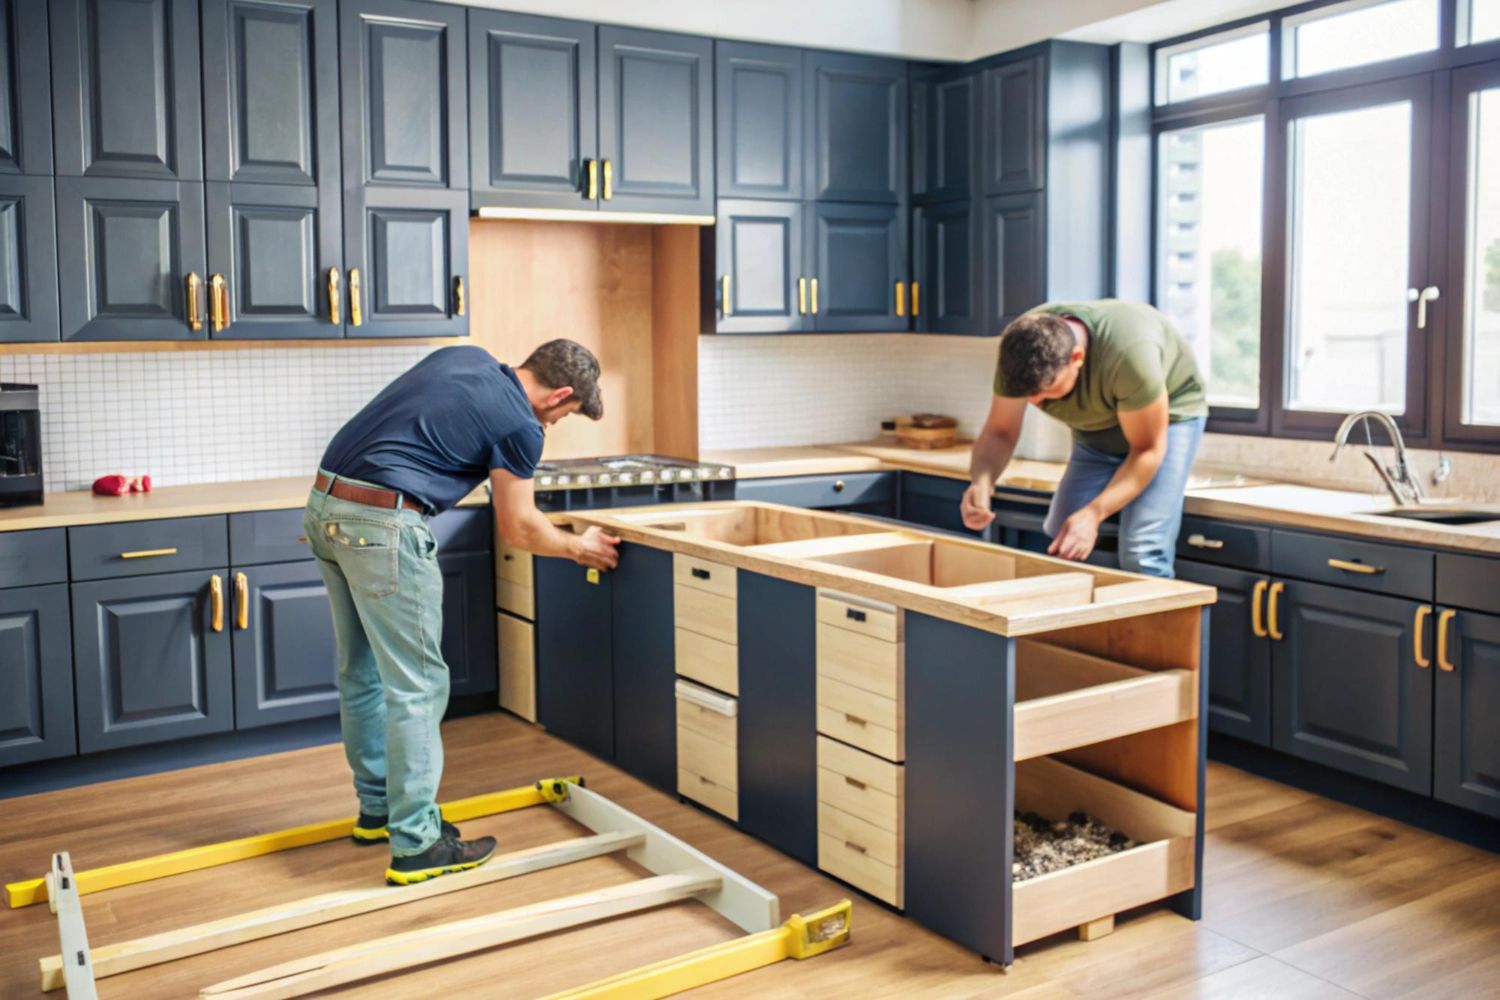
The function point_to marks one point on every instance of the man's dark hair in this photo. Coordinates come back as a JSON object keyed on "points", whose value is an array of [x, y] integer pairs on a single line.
{"points": [[566, 363], [1033, 349]]}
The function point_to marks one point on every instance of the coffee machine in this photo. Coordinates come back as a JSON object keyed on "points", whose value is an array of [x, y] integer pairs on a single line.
{"points": [[20, 445]]}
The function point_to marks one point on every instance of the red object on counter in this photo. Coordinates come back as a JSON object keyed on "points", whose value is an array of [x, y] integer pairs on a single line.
{"points": [[116, 485]]}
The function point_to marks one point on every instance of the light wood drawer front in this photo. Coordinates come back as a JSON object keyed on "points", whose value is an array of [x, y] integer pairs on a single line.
{"points": [[861, 661], [880, 621], [518, 667], [866, 720], [724, 801], [713, 615], [884, 846], [879, 880], [867, 769], [708, 661], [513, 564], [706, 722], [517, 598], [879, 809], [700, 574], [709, 758]]}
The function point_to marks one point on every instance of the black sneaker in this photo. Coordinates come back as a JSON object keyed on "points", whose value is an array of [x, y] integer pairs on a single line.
{"points": [[370, 830], [446, 855]]}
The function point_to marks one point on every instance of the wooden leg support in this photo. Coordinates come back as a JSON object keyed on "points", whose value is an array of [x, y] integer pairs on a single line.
{"points": [[1096, 928]]}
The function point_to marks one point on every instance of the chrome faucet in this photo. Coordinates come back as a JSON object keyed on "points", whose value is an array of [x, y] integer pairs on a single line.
{"points": [[1403, 485]]}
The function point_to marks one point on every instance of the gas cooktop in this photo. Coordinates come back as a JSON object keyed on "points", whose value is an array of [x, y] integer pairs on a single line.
{"points": [[626, 470]]}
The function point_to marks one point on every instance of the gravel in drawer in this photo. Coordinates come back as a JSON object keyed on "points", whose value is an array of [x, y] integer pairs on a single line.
{"points": [[135, 548]]}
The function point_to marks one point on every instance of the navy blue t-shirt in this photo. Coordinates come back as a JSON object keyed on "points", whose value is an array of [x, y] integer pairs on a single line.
{"points": [[436, 431]]}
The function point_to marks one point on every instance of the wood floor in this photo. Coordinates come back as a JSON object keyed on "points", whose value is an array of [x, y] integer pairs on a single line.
{"points": [[1306, 898]]}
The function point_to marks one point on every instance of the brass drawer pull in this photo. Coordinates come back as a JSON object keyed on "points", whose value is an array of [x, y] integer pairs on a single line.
{"points": [[218, 302], [726, 306], [701, 574], [593, 183], [216, 602], [900, 298], [916, 298], [855, 614], [1416, 636], [854, 720], [855, 782], [241, 601], [1355, 567], [839, 485], [458, 295], [1274, 609], [609, 180], [148, 553], [815, 296], [334, 316], [1257, 615], [1204, 542], [194, 286], [1445, 619], [855, 847], [507, 557], [802, 296], [302, 539], [706, 781], [356, 308]]}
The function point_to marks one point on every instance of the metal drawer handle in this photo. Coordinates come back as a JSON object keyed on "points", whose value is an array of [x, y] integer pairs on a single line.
{"points": [[706, 781], [1355, 567], [854, 782], [838, 485], [1445, 618], [148, 553], [855, 720], [1257, 616], [593, 180], [333, 296], [1204, 542], [1416, 636], [701, 574], [855, 614], [216, 602], [855, 847], [241, 601], [1272, 611], [507, 557]]}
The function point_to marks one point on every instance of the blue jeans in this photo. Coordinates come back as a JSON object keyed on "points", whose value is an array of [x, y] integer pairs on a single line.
{"points": [[1149, 523], [386, 592]]}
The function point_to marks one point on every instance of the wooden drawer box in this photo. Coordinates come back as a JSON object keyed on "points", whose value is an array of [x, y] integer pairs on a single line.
{"points": [[871, 618], [862, 785], [707, 713], [861, 824], [708, 661], [860, 674], [861, 660], [517, 666], [514, 589], [847, 859], [707, 613], [707, 748], [700, 574], [858, 717]]}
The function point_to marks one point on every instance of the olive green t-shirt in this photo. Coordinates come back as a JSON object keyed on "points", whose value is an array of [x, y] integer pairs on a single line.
{"points": [[1134, 354]]}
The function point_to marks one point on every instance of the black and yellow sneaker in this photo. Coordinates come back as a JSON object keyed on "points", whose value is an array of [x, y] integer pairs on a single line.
{"points": [[446, 855], [370, 830]]}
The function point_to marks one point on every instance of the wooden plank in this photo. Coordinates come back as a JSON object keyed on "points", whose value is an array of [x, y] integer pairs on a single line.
{"points": [[460, 937], [828, 546], [709, 661], [910, 561], [1089, 715], [1054, 789], [113, 959], [1095, 929], [75, 962], [963, 564], [701, 574], [674, 340], [707, 614]]}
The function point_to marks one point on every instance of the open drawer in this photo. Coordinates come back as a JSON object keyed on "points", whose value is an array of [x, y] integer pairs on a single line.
{"points": [[1161, 864], [1067, 699]]}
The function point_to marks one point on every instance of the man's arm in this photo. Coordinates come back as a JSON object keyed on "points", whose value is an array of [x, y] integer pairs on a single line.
{"points": [[1146, 433], [525, 527], [992, 452]]}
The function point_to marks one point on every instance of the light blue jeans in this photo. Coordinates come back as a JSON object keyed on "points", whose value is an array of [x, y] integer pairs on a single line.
{"points": [[386, 592], [1149, 523]]}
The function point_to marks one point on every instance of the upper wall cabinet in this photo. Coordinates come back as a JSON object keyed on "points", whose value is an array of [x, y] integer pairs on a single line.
{"points": [[28, 260], [944, 123], [126, 90], [1014, 140], [759, 122], [25, 89], [533, 132], [857, 258], [656, 122], [857, 116], [762, 285]]}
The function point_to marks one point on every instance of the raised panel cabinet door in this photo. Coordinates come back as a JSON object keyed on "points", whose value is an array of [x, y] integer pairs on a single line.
{"points": [[411, 249], [277, 247], [28, 260], [533, 118], [469, 622], [856, 257], [1348, 690], [945, 297], [1239, 675], [944, 126], [758, 249], [656, 124], [645, 665], [403, 79], [148, 663], [1015, 258], [1012, 126], [857, 128], [575, 655], [127, 98], [271, 92], [759, 123], [25, 89], [286, 663], [36, 675], [128, 248], [1466, 768]]}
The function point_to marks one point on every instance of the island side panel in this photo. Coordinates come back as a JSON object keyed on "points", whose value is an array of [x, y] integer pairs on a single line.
{"points": [[1190, 903], [645, 665], [960, 792]]}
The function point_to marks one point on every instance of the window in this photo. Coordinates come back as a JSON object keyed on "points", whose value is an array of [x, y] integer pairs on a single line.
{"points": [[1223, 62], [1357, 33], [1482, 23], [1209, 250], [1480, 387]]}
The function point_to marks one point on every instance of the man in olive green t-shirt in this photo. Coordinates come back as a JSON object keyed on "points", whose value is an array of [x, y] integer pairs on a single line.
{"points": [[1126, 383]]}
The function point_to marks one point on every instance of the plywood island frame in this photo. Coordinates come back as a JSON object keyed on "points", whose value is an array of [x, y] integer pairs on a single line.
{"points": [[679, 872]]}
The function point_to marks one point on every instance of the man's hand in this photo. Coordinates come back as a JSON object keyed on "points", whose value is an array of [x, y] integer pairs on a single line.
{"points": [[975, 506], [596, 549], [1078, 535]]}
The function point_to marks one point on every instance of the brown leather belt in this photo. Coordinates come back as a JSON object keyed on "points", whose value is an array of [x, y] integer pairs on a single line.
{"points": [[370, 496]]}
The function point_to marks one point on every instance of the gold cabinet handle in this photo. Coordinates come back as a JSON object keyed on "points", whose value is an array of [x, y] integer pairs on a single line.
{"points": [[727, 307], [855, 847], [855, 783], [356, 311], [1273, 611], [609, 180], [900, 298], [916, 298], [218, 302], [1204, 542], [1257, 618], [815, 296], [216, 602], [458, 295], [1364, 569], [333, 296], [801, 296], [1416, 636], [854, 720], [301, 539], [592, 169], [148, 553], [241, 601], [1445, 619], [194, 285]]}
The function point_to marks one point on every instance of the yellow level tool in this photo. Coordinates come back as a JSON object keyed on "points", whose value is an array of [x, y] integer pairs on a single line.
{"points": [[800, 937], [31, 891]]}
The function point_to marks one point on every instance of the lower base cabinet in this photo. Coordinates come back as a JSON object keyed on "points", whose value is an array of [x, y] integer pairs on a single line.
{"points": [[1466, 764], [707, 751], [574, 654], [862, 820], [36, 675], [285, 654], [1239, 683], [642, 639], [468, 641]]}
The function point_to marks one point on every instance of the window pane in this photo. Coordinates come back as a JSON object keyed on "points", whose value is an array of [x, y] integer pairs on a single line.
{"points": [[1481, 386], [1213, 65], [1484, 20], [1208, 266], [1363, 34], [1351, 221]]}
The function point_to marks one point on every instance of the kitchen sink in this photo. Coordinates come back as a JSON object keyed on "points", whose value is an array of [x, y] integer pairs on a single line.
{"points": [[1441, 515]]}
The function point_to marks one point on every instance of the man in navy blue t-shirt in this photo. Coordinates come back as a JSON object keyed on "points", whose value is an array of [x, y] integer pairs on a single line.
{"points": [[420, 446]]}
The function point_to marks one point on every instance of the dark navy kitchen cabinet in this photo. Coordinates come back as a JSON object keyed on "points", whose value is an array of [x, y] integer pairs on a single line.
{"points": [[533, 123], [574, 669], [1239, 683], [1015, 263], [758, 89], [944, 127], [469, 622], [408, 254], [655, 122], [645, 675], [777, 727], [856, 259], [36, 675], [1015, 138], [127, 98], [933, 502], [857, 128], [285, 656], [25, 89], [151, 658], [28, 259], [1466, 758], [855, 492], [762, 283], [1349, 691], [945, 295]]}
